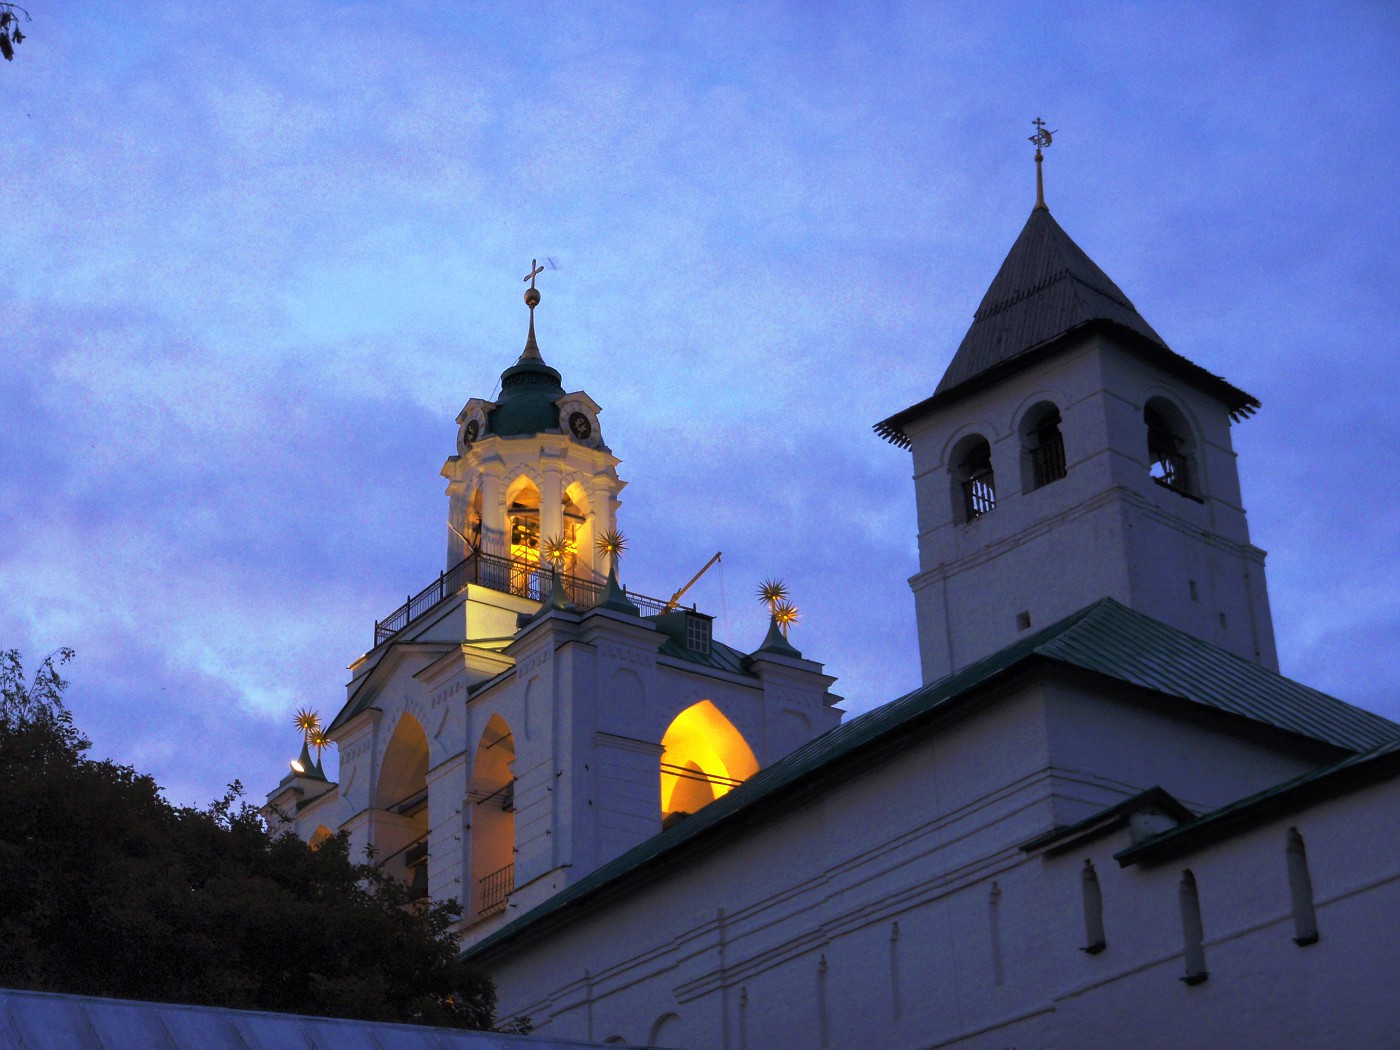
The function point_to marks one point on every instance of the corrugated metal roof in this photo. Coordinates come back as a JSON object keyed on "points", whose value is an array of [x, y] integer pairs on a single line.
{"points": [[1047, 291], [50, 1021], [1106, 638]]}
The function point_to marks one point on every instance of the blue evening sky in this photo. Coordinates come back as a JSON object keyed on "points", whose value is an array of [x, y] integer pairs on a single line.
{"points": [[255, 258]]}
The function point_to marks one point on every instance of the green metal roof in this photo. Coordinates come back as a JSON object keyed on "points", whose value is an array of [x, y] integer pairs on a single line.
{"points": [[1106, 638], [1379, 763]]}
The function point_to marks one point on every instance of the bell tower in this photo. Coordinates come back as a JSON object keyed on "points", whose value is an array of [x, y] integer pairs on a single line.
{"points": [[531, 471], [1067, 455]]}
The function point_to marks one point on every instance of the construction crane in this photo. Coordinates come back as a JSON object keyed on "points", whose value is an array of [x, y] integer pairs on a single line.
{"points": [[675, 598]]}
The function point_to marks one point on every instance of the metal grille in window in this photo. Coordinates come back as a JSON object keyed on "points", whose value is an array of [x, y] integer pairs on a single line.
{"points": [[1048, 455], [697, 634], [979, 486]]}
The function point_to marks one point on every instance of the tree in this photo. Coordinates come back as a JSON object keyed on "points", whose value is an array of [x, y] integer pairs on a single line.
{"points": [[111, 890], [10, 34]]}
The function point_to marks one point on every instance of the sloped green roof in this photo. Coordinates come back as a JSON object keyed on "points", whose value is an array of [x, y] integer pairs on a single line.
{"points": [[1376, 764], [1106, 638]]}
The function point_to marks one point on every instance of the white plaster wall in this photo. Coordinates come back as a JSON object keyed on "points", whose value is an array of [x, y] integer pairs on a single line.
{"points": [[864, 918]]}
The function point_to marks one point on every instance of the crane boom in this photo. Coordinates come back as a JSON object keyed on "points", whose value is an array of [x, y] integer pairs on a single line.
{"points": [[675, 598]]}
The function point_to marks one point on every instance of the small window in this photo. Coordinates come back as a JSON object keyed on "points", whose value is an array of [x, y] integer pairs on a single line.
{"points": [[975, 478], [697, 634], [1044, 447]]}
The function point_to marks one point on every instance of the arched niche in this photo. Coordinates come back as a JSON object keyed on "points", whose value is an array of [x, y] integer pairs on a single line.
{"points": [[319, 836], [401, 799], [492, 802], [703, 756]]}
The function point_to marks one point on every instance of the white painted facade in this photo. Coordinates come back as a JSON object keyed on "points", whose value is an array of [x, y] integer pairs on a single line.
{"points": [[1057, 851], [494, 749], [898, 909]]}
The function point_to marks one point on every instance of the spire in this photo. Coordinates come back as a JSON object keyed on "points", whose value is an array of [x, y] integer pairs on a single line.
{"points": [[1042, 137], [776, 641], [532, 300]]}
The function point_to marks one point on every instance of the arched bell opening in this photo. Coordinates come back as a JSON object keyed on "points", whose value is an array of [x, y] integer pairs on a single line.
{"points": [[1042, 447], [473, 530], [523, 534], [578, 531], [703, 757], [1171, 448], [974, 484], [492, 807], [401, 798]]}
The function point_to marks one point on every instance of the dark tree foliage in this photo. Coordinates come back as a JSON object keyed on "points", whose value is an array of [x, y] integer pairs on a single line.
{"points": [[10, 34], [108, 889]]}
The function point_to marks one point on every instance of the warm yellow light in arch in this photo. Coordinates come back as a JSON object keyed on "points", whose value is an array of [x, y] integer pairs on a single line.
{"points": [[703, 756]]}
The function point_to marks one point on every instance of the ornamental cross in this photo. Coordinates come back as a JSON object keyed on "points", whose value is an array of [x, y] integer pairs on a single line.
{"points": [[535, 271], [1042, 136]]}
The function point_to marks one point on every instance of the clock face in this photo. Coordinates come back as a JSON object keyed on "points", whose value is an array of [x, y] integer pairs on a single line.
{"points": [[470, 433], [580, 426]]}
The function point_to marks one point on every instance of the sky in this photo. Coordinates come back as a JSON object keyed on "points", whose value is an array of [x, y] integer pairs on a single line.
{"points": [[253, 264]]}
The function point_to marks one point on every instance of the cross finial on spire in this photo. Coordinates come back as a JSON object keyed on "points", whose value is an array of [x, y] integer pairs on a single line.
{"points": [[532, 300], [1043, 137]]}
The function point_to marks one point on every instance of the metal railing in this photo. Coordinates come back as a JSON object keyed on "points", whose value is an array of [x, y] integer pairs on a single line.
{"points": [[1048, 461], [494, 889], [508, 575]]}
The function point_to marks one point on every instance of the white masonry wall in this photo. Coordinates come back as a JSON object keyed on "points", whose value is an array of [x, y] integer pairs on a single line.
{"points": [[895, 909]]}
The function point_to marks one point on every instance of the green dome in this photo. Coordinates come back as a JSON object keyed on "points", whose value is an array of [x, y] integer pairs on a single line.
{"points": [[529, 389]]}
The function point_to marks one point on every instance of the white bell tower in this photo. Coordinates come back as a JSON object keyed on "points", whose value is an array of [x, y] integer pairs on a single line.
{"points": [[1068, 455], [531, 467]]}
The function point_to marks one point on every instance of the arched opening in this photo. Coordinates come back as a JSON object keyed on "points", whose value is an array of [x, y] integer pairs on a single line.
{"points": [[1169, 447], [974, 485], [703, 756], [319, 836], [492, 802], [578, 531], [1094, 941], [473, 533], [523, 528], [401, 797], [1042, 447]]}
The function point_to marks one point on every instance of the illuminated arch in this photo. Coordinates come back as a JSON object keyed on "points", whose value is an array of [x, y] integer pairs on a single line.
{"points": [[319, 836], [578, 529], [492, 802], [401, 799], [703, 755]]}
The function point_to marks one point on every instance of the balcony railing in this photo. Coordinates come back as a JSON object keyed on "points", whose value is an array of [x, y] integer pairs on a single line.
{"points": [[508, 575], [494, 889]]}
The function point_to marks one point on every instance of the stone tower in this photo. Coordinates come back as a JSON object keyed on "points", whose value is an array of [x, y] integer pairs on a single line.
{"points": [[1068, 454]]}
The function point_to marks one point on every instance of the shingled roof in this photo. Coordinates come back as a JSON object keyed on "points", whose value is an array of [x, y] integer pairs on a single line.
{"points": [[1048, 294], [1105, 638]]}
